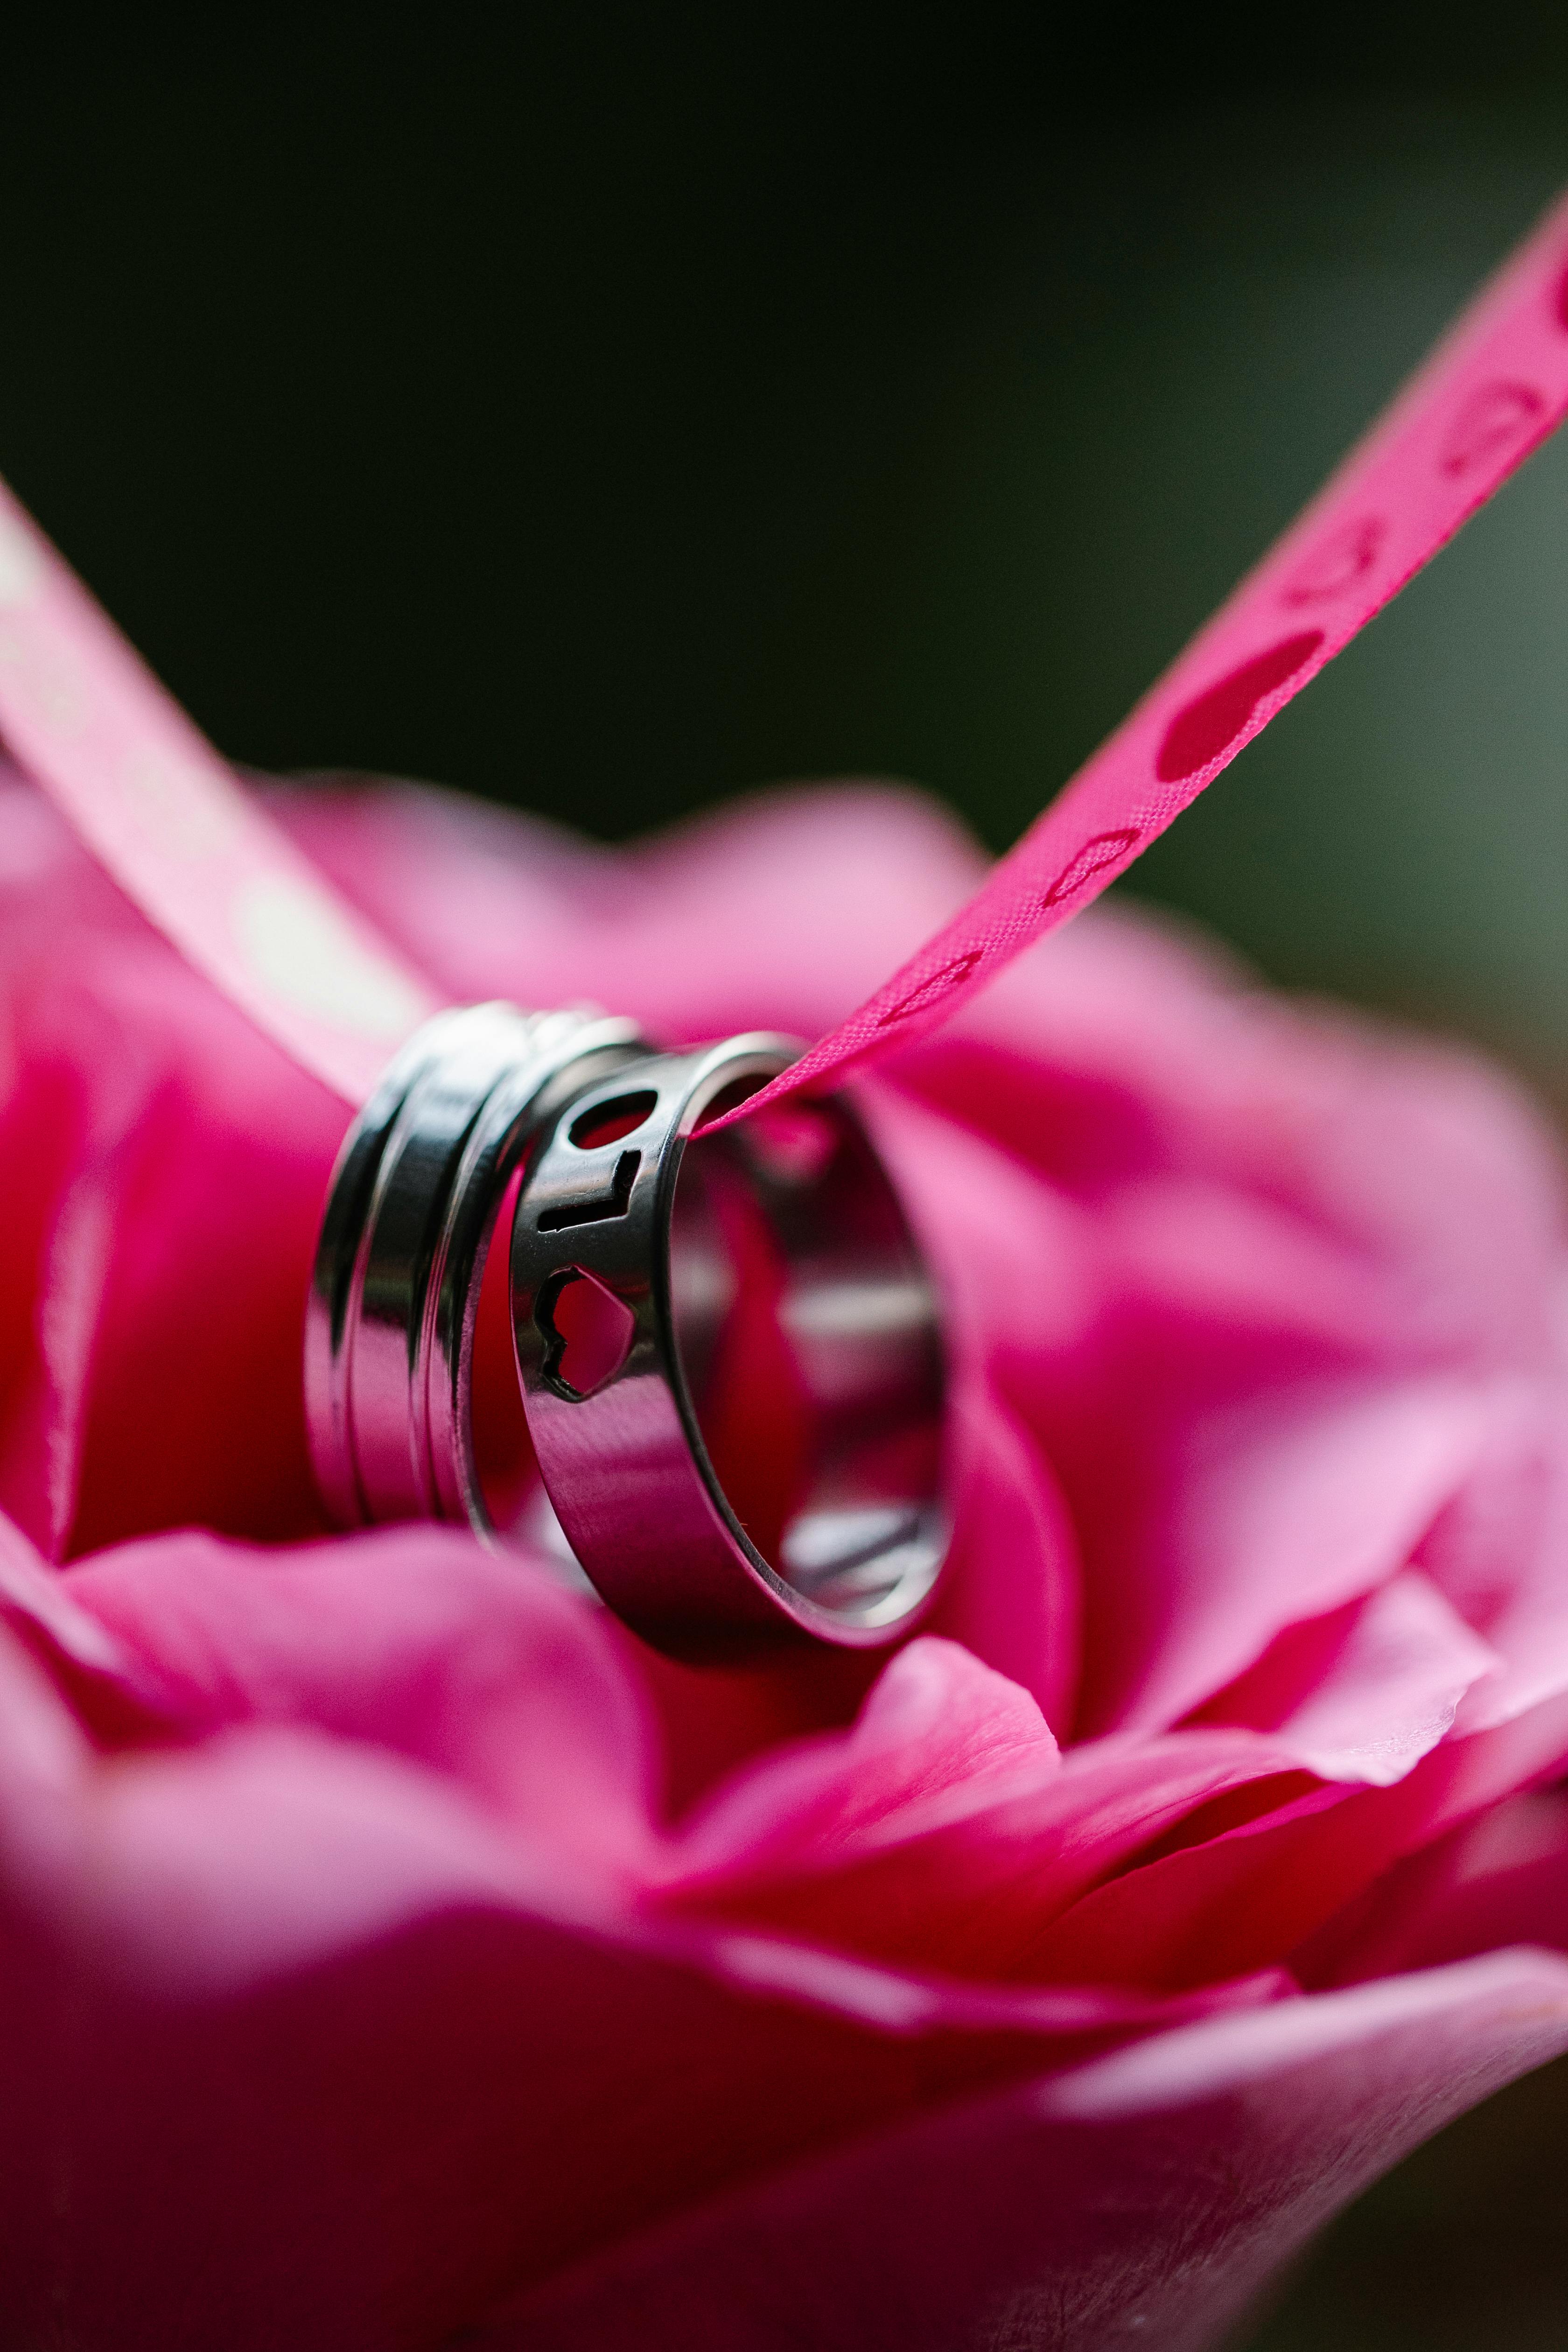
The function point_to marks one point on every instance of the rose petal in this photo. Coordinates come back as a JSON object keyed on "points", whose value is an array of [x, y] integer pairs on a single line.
{"points": [[285, 1992], [936, 1721], [1011, 1591], [1272, 1886], [969, 1879], [1500, 1879], [1364, 1693], [173, 1164], [1500, 1552], [36, 1601], [1134, 1049], [1285, 1509], [1146, 2198], [410, 1639], [783, 912]]}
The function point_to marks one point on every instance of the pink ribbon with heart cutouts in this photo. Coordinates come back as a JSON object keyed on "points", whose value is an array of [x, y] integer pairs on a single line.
{"points": [[162, 811]]}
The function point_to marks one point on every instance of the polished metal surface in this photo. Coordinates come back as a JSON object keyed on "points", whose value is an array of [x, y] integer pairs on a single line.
{"points": [[729, 1347], [731, 1358], [410, 1212]]}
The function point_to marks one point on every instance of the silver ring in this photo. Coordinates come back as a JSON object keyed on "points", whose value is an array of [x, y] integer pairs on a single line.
{"points": [[729, 1347], [411, 1208], [730, 1357]]}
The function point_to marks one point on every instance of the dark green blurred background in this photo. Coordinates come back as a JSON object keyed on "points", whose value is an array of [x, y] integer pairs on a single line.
{"points": [[612, 408]]}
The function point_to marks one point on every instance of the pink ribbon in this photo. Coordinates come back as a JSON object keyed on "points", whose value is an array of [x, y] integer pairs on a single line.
{"points": [[167, 817], [181, 836]]}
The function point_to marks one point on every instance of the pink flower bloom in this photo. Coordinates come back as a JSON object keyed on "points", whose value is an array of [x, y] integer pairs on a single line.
{"points": [[397, 1953]]}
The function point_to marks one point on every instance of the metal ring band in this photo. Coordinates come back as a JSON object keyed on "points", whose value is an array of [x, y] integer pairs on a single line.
{"points": [[639, 1264], [404, 1235]]}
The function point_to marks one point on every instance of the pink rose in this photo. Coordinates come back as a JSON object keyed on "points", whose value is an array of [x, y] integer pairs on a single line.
{"points": [[398, 1954]]}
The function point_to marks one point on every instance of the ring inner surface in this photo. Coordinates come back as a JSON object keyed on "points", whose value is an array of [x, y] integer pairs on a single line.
{"points": [[807, 1331]]}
